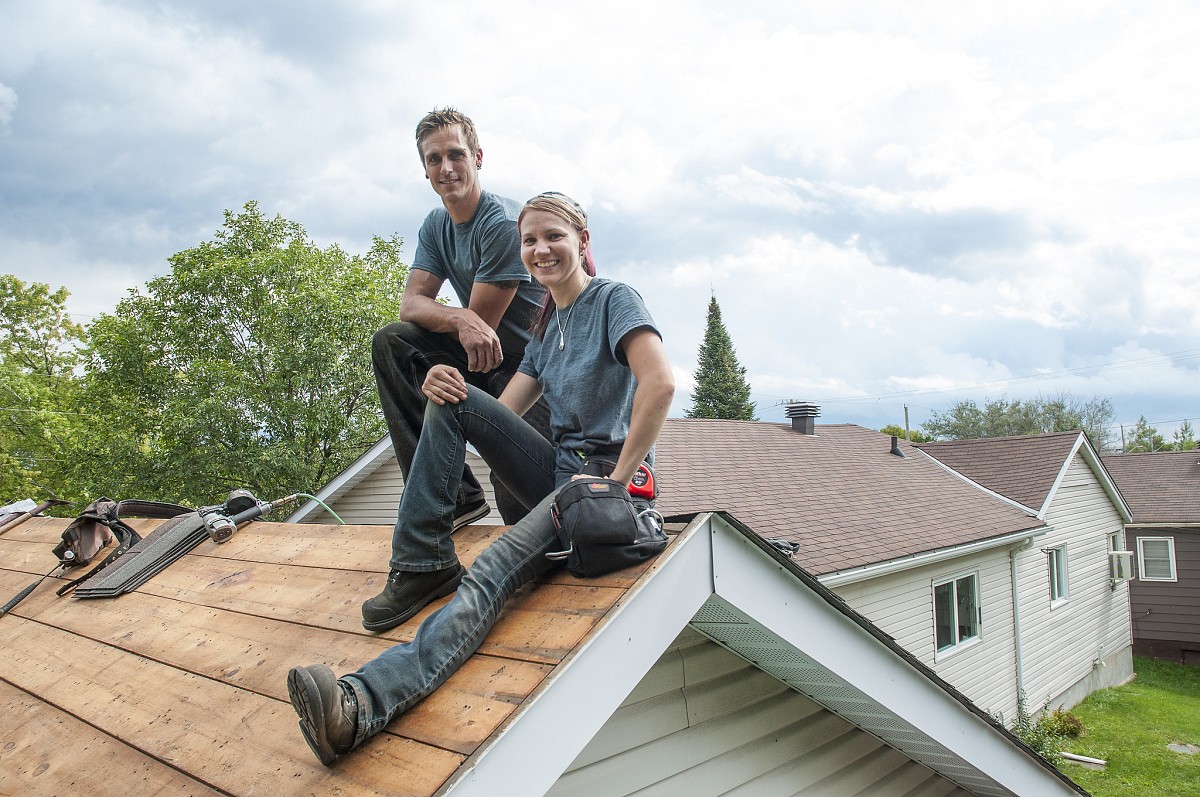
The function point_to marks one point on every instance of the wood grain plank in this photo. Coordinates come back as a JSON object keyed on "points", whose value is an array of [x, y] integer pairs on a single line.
{"points": [[235, 740], [255, 654], [48, 752]]}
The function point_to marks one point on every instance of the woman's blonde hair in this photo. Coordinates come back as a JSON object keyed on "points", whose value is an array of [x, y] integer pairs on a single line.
{"points": [[572, 213]]}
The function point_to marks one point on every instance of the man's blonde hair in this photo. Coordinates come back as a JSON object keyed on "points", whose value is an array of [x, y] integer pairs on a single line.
{"points": [[446, 117]]}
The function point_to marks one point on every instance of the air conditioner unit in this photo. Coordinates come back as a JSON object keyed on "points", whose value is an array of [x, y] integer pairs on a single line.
{"points": [[1120, 565]]}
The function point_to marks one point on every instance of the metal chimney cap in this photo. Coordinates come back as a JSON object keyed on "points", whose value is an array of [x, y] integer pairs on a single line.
{"points": [[801, 409]]}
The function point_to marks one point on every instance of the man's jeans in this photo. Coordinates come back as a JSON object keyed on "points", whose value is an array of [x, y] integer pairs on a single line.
{"points": [[402, 354], [525, 462]]}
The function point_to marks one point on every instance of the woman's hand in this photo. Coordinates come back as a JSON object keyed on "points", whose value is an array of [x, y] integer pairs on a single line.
{"points": [[444, 384]]}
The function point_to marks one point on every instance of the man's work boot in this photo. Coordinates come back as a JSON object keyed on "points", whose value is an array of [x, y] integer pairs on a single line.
{"points": [[406, 594], [328, 710]]}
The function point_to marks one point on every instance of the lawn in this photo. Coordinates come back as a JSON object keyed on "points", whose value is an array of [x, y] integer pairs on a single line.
{"points": [[1130, 727]]}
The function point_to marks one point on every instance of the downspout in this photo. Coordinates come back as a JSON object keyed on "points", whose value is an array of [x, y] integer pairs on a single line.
{"points": [[1016, 610]]}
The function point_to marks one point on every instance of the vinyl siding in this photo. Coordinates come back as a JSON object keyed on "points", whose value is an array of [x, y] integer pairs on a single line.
{"points": [[1062, 643], [1169, 611], [901, 605], [705, 722], [373, 501]]}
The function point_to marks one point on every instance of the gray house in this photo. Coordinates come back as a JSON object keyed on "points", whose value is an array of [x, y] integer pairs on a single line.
{"points": [[1163, 491]]}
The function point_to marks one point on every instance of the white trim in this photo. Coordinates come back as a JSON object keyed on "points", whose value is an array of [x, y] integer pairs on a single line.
{"points": [[719, 578], [844, 577], [1058, 571], [1093, 460], [360, 469], [1170, 541], [959, 644], [591, 683]]}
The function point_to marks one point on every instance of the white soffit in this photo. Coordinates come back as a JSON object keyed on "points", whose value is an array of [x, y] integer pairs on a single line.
{"points": [[811, 641]]}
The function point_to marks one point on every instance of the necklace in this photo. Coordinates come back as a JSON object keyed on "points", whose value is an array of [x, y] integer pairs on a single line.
{"points": [[562, 325]]}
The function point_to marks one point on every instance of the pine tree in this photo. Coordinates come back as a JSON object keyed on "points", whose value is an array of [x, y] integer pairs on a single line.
{"points": [[721, 387]]}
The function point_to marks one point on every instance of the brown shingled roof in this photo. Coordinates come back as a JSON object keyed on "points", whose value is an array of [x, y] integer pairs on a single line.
{"points": [[1023, 469], [839, 493], [1160, 487]]}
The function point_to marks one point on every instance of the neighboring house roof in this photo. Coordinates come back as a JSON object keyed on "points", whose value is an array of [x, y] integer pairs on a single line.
{"points": [[1161, 487], [189, 669], [838, 493], [1027, 469]]}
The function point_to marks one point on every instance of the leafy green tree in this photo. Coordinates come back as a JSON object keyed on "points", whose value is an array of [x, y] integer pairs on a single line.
{"points": [[1144, 438], [38, 355], [721, 387], [913, 434], [247, 366], [1184, 437], [1003, 418]]}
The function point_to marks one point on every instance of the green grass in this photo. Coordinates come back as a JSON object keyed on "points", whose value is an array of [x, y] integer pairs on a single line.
{"points": [[1130, 727]]}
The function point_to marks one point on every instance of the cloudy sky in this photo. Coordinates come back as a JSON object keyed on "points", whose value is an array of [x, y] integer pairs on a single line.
{"points": [[896, 205]]}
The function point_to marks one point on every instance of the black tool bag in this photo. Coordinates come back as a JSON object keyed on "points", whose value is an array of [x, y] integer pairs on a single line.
{"points": [[98, 525], [601, 528]]}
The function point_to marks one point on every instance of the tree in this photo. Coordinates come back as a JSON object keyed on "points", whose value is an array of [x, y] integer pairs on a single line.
{"points": [[913, 435], [721, 387], [1185, 437], [247, 366], [1004, 418], [1144, 438], [38, 356]]}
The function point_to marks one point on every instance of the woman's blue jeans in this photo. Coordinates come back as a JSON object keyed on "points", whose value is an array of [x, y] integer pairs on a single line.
{"points": [[525, 462]]}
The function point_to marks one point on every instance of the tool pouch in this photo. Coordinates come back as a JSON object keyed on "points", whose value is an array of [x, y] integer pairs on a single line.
{"points": [[601, 529], [98, 525]]}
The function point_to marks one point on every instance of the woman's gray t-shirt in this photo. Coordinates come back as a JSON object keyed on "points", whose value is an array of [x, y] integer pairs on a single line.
{"points": [[588, 383]]}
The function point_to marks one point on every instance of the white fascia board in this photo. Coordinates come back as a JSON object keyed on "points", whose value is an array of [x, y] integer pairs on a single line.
{"points": [[886, 686], [1027, 510], [362, 467], [1084, 447], [867, 572], [553, 727]]}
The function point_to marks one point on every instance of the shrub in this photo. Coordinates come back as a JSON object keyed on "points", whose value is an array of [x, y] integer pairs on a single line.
{"points": [[1063, 723]]}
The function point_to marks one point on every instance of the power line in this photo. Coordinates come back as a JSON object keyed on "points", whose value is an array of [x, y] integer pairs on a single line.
{"points": [[1088, 370]]}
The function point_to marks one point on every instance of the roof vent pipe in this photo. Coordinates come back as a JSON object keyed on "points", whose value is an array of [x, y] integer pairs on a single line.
{"points": [[896, 448], [803, 415]]}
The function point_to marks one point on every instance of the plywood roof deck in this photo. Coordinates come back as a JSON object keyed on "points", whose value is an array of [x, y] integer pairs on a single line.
{"points": [[180, 687]]}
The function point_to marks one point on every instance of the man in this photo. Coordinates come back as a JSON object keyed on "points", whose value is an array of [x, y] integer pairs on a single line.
{"points": [[472, 242]]}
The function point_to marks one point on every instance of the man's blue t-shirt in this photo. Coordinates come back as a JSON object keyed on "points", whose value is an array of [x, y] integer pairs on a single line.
{"points": [[486, 249]]}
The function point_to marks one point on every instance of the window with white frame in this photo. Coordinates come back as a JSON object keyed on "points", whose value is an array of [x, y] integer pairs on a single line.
{"points": [[1057, 560], [1156, 558], [956, 614]]}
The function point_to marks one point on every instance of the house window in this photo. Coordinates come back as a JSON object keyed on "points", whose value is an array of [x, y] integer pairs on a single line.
{"points": [[956, 611], [1057, 559], [1156, 558]]}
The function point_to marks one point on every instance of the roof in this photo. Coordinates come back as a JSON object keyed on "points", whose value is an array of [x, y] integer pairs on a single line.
{"points": [[1027, 469], [180, 685], [839, 493], [1161, 487]]}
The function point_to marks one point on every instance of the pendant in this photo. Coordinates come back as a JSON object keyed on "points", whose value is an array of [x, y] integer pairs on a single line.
{"points": [[562, 341]]}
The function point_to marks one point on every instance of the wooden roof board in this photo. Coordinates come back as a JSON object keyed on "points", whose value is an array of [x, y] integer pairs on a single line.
{"points": [[180, 685], [184, 680]]}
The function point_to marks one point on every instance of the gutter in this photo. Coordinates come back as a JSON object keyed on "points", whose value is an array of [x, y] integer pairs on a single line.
{"points": [[852, 576], [1016, 610]]}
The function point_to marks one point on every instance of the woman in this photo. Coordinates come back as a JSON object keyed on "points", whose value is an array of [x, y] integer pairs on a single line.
{"points": [[598, 359]]}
